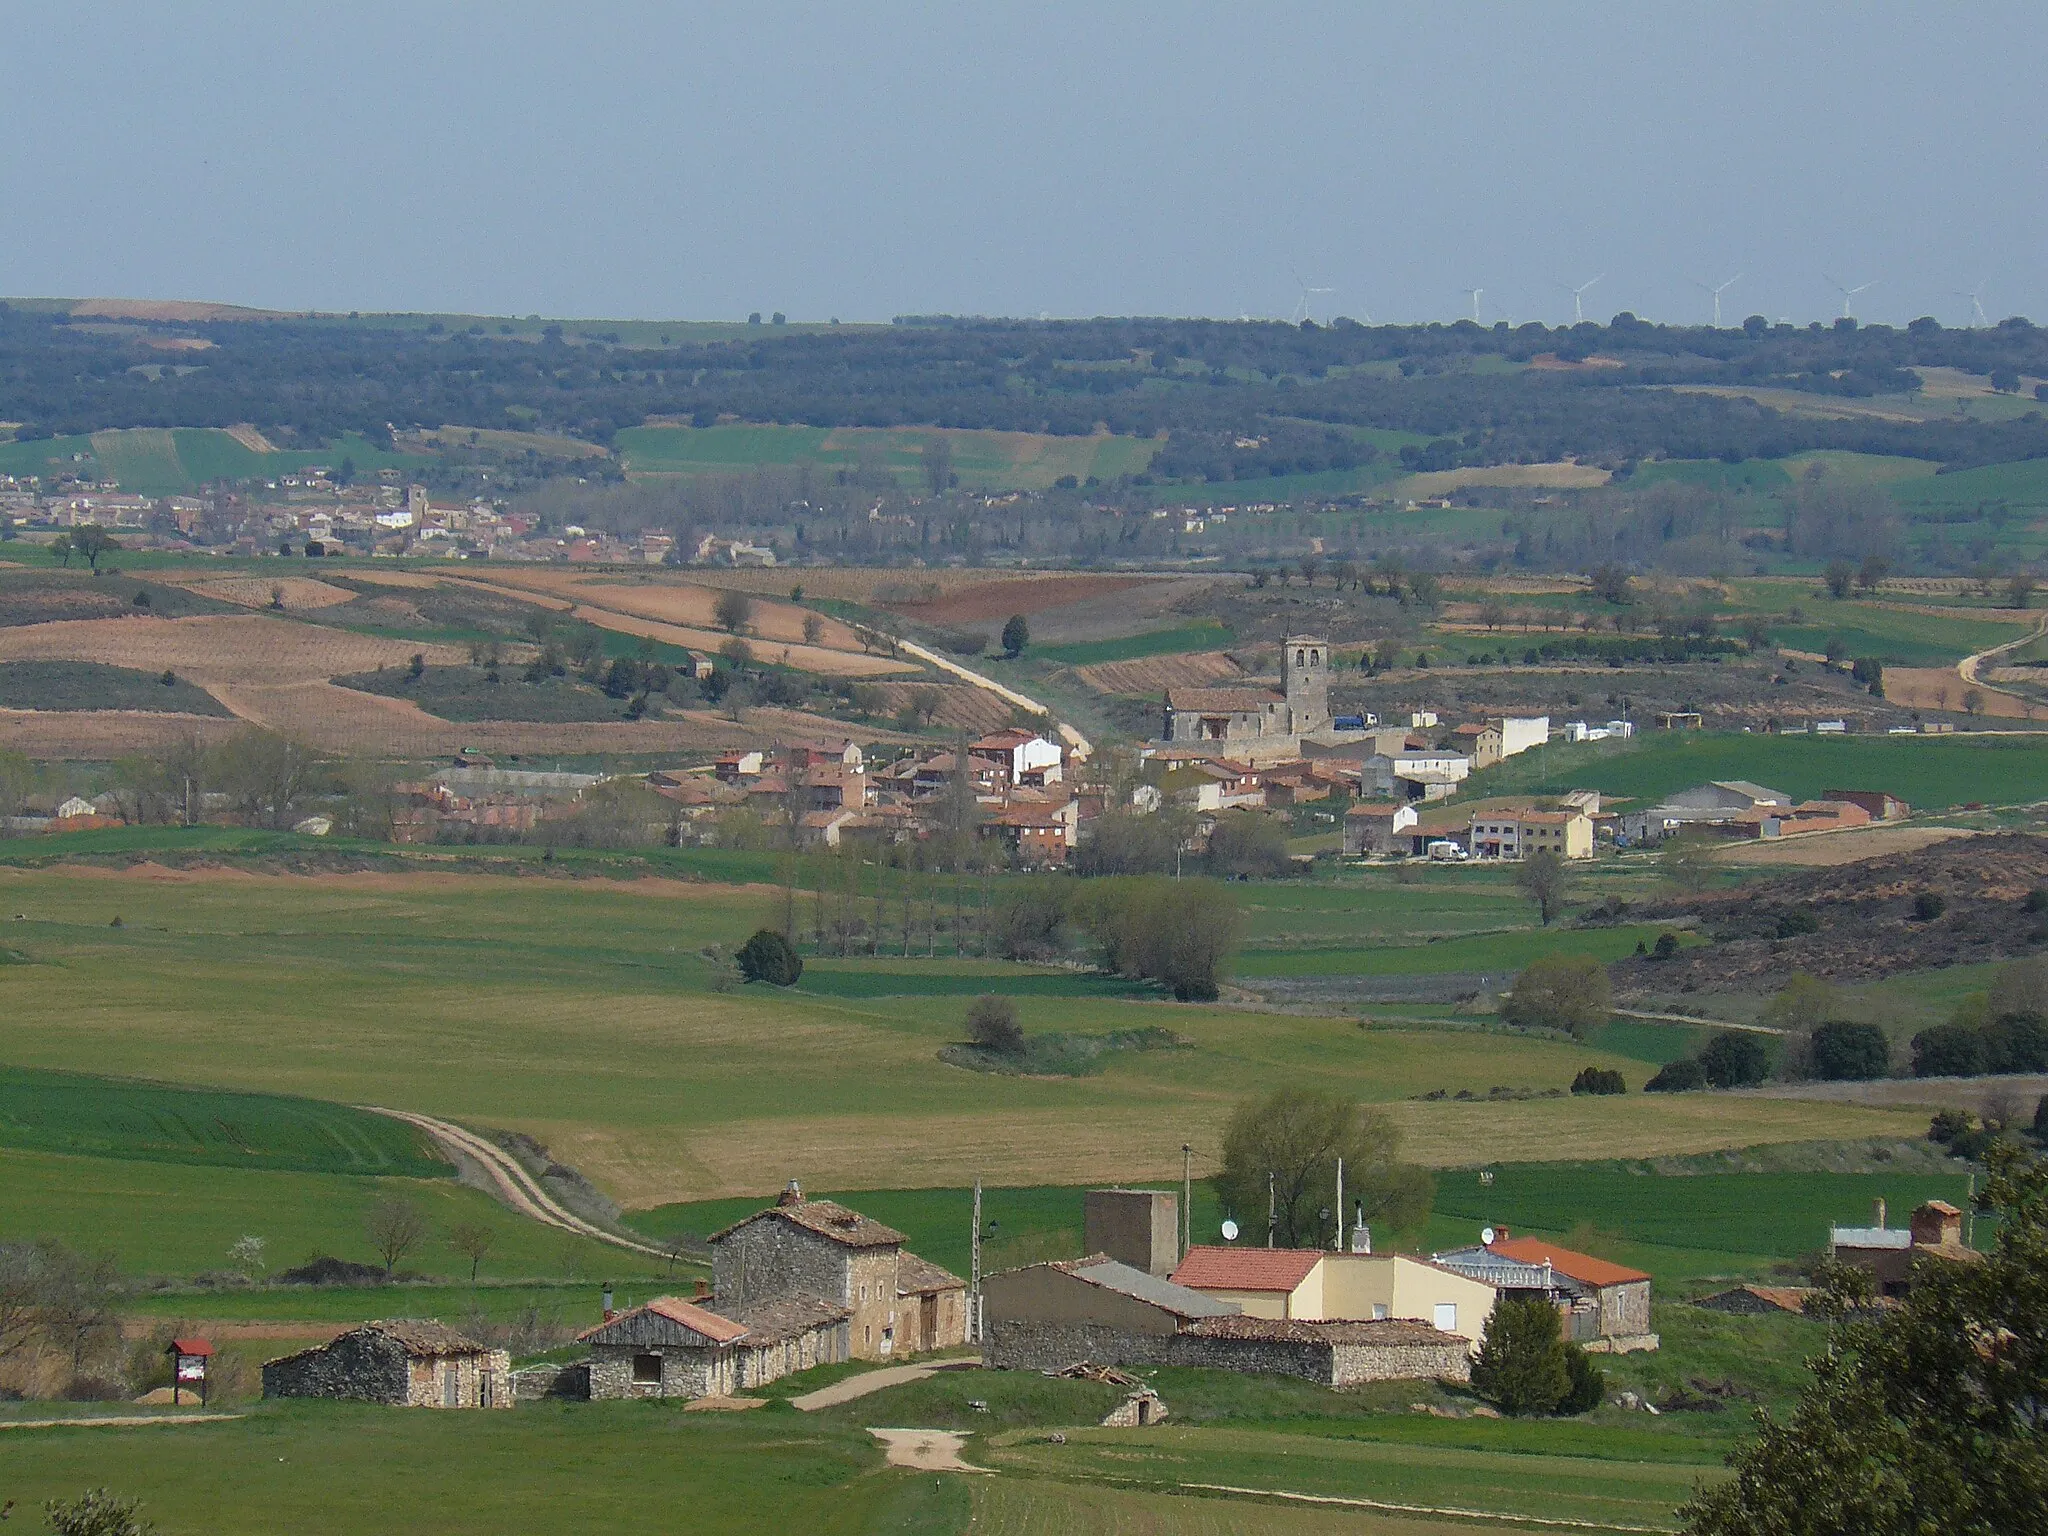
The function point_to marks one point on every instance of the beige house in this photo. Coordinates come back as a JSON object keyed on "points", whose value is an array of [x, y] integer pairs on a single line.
{"points": [[1518, 833], [1310, 1285]]}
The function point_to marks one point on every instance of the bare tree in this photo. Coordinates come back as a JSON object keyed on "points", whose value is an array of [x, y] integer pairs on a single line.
{"points": [[395, 1227], [473, 1240], [732, 610], [814, 629]]}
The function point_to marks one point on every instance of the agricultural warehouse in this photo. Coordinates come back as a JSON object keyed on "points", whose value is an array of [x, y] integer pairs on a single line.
{"points": [[819, 1250], [1049, 1316], [405, 1363], [1604, 1307], [1887, 1254], [1310, 1285]]}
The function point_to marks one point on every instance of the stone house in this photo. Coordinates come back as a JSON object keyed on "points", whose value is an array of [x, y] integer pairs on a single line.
{"points": [[821, 1251], [1260, 724], [406, 1363], [1045, 1317], [1604, 1306], [1377, 827], [676, 1348]]}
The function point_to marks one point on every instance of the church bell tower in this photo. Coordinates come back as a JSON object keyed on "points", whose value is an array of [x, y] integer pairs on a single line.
{"points": [[1305, 676]]}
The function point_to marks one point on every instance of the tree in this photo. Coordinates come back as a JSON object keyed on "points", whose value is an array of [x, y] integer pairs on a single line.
{"points": [[1567, 992], [1598, 1080], [1838, 575], [1521, 1366], [1248, 843], [925, 703], [1545, 880], [1588, 1389], [1611, 583], [814, 629], [1923, 1417], [732, 610], [96, 1512], [1288, 1144], [1948, 1050], [473, 1240], [770, 957], [937, 463], [62, 547], [395, 1227], [1180, 933], [1016, 635], [2019, 591], [1846, 1052], [262, 774], [1680, 1076], [1871, 573], [1869, 671], [1735, 1059], [92, 541], [992, 1025]]}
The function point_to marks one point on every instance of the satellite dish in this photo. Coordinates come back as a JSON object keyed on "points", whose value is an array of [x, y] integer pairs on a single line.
{"points": [[1486, 1236], [1230, 1231]]}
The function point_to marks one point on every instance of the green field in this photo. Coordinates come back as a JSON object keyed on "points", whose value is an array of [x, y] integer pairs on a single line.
{"points": [[1207, 636], [583, 1012], [2023, 484], [1929, 772], [157, 1122], [62, 685], [1500, 954], [155, 461], [982, 460]]}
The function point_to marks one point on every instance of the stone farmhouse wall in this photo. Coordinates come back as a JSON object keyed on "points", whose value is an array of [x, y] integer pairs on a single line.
{"points": [[768, 1258], [1016, 1345], [374, 1369], [1625, 1309], [684, 1371], [759, 1365], [1027, 1346], [563, 1383], [1351, 1364]]}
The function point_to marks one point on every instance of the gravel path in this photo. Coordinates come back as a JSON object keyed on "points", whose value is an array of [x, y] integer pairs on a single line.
{"points": [[876, 1381]]}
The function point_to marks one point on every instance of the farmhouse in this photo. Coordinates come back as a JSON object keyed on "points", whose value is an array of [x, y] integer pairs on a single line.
{"points": [[1934, 1230], [1376, 827], [406, 1363], [819, 1251], [1518, 833], [1605, 1307], [677, 1348], [1311, 1285]]}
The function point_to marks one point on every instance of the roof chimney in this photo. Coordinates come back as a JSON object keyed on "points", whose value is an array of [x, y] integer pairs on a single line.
{"points": [[608, 1313], [1880, 1213], [701, 1291], [792, 1194]]}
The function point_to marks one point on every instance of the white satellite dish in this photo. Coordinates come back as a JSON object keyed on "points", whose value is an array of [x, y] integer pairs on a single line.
{"points": [[1486, 1236], [1230, 1231]]}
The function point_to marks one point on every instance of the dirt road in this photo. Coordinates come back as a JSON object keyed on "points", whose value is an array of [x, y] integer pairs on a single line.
{"points": [[925, 1450], [516, 1187], [876, 1381], [1074, 739]]}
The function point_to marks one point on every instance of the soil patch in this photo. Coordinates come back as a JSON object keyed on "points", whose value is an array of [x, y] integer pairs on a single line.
{"points": [[1156, 674], [1826, 850], [995, 601]]}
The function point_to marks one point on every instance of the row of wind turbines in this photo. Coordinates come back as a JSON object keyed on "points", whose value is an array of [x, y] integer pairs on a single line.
{"points": [[1310, 293]]}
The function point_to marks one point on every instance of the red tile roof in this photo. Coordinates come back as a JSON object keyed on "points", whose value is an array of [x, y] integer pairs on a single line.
{"points": [[1246, 1269], [191, 1347], [1584, 1268], [719, 1330]]}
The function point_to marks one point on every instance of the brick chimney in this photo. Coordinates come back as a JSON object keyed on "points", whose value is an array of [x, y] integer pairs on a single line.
{"points": [[609, 1314], [792, 1194]]}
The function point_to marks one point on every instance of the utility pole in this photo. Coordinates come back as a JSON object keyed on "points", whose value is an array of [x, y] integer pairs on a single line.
{"points": [[1187, 1191], [1340, 1205], [1272, 1209], [974, 1285]]}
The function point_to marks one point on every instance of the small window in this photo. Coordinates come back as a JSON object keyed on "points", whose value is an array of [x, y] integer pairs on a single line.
{"points": [[1447, 1316], [1379, 1312], [647, 1370]]}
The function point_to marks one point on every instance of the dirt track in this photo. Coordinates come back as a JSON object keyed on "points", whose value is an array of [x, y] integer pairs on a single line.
{"points": [[1826, 850]]}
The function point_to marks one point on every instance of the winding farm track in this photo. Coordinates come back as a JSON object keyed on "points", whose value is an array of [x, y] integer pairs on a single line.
{"points": [[1968, 667], [516, 1187], [1074, 738]]}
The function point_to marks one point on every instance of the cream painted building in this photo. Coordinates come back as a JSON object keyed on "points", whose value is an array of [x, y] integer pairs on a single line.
{"points": [[1310, 1285]]}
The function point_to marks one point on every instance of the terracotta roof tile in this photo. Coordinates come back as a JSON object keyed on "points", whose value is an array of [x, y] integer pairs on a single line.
{"points": [[1229, 700], [700, 1320], [1578, 1266], [917, 1277], [1211, 1268], [827, 1218]]}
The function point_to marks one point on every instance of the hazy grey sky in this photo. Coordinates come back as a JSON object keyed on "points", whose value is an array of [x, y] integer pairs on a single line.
{"points": [[694, 161]]}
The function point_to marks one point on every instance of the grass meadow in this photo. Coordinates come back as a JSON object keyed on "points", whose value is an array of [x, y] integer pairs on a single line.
{"points": [[584, 1012], [983, 460]]}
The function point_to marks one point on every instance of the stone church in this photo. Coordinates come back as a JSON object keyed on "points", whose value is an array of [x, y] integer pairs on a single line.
{"points": [[1258, 723]]}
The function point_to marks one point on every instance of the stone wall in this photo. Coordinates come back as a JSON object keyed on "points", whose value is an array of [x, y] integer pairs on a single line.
{"points": [[363, 1367], [564, 1383], [1272, 1357], [460, 1381], [1015, 1345], [1625, 1309], [823, 1345], [770, 1258], [685, 1372], [1354, 1363]]}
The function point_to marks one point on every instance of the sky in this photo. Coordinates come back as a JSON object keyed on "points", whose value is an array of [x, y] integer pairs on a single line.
{"points": [[1063, 157]]}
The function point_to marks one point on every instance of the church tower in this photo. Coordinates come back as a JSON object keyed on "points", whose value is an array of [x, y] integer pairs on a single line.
{"points": [[1305, 676]]}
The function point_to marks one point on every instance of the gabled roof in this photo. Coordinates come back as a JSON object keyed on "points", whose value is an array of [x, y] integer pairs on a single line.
{"points": [[1228, 700], [1374, 808], [1581, 1267], [775, 1322], [719, 1330], [1214, 1268], [919, 1277], [827, 1218], [420, 1338], [1756, 792]]}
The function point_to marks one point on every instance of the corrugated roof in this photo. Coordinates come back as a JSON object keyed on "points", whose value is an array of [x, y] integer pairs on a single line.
{"points": [[1154, 1290], [1213, 1268], [1870, 1237], [1581, 1267]]}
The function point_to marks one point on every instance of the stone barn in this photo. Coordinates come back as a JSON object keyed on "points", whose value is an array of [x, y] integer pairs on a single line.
{"points": [[818, 1250], [668, 1348], [406, 1363]]}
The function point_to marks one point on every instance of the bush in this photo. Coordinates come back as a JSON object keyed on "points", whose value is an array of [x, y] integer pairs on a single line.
{"points": [[2041, 1120], [1667, 946], [769, 957], [1248, 843], [992, 1025], [1588, 1389], [1180, 933], [1844, 1052], [1567, 992], [1598, 1080], [1522, 1367], [97, 1512], [1929, 905], [1948, 1050], [1733, 1059], [1682, 1076], [1797, 923], [2016, 1042], [1947, 1125]]}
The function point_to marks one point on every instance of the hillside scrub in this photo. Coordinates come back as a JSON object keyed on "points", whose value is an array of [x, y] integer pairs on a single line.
{"points": [[1564, 992]]}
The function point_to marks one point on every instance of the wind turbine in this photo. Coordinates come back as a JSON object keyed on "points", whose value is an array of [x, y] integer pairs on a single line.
{"points": [[1976, 298], [1716, 292], [1578, 296], [1308, 294], [1475, 292], [1848, 293]]}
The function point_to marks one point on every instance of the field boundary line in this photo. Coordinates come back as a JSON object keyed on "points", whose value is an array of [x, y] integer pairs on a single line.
{"points": [[1432, 1509], [517, 1188], [121, 1421], [1686, 1018], [1074, 739]]}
